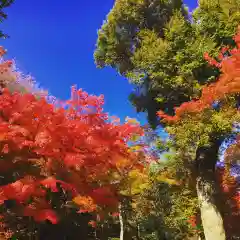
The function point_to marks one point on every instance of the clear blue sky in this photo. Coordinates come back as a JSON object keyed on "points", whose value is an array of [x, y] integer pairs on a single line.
{"points": [[54, 42]]}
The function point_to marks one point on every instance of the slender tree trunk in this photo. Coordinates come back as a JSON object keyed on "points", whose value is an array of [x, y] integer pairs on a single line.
{"points": [[208, 192], [138, 233], [121, 220]]}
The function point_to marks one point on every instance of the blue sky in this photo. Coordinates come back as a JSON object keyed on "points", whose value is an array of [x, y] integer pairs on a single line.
{"points": [[54, 42]]}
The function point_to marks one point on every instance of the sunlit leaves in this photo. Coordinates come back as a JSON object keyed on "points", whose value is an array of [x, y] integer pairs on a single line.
{"points": [[227, 84], [72, 145], [85, 203]]}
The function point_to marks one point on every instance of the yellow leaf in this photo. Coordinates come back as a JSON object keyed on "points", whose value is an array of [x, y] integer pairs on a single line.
{"points": [[85, 202]]}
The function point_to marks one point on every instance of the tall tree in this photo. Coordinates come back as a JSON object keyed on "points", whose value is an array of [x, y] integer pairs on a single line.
{"points": [[132, 39], [162, 59], [167, 67], [214, 115]]}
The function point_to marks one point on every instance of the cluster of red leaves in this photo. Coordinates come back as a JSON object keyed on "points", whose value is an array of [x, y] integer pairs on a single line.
{"points": [[192, 221], [195, 224], [228, 83], [75, 145]]}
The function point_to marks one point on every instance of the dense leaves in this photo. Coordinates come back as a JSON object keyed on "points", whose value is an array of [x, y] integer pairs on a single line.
{"points": [[70, 146], [195, 95], [227, 83]]}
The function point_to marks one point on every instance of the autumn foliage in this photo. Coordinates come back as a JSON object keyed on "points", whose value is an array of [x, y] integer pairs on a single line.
{"points": [[228, 62], [73, 145], [228, 84]]}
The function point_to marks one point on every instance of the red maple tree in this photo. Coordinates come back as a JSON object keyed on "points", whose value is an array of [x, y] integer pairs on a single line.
{"points": [[74, 145]]}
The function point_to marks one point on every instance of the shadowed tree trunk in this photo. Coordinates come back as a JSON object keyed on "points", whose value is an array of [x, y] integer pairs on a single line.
{"points": [[208, 192]]}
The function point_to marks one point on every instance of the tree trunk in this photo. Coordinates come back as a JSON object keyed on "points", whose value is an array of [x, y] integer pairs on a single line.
{"points": [[208, 192], [138, 233], [121, 222]]}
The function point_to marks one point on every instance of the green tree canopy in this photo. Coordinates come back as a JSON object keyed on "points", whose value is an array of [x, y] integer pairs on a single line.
{"points": [[159, 47]]}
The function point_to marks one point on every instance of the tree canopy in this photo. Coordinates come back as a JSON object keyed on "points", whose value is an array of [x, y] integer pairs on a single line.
{"points": [[192, 95]]}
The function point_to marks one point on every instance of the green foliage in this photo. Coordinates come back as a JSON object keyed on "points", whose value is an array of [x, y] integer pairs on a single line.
{"points": [[162, 210], [118, 36], [3, 16], [197, 130], [162, 54], [168, 212], [217, 19]]}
